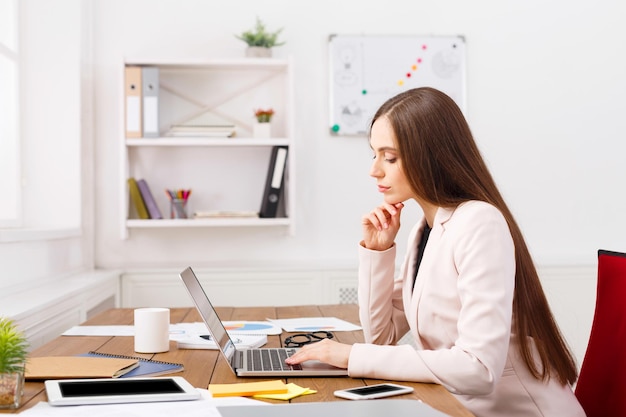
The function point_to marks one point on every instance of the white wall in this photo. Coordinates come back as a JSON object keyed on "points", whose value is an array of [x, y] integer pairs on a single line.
{"points": [[545, 101]]}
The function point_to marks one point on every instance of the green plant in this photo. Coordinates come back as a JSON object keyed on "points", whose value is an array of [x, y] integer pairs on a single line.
{"points": [[259, 36], [264, 116], [13, 347]]}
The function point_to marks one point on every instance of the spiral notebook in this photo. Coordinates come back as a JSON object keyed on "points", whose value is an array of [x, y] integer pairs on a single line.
{"points": [[147, 367], [69, 367]]}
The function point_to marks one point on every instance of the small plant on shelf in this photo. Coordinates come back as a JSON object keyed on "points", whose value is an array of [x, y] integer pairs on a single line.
{"points": [[259, 36], [262, 128], [264, 116], [13, 355], [260, 40]]}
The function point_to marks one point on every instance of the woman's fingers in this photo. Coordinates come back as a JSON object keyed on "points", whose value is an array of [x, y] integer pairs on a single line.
{"points": [[381, 225], [327, 351]]}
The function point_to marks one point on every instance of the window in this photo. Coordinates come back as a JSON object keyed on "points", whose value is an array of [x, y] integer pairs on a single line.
{"points": [[40, 118], [9, 116]]}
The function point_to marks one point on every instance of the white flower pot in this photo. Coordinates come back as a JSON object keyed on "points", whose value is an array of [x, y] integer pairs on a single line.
{"points": [[262, 130], [258, 52]]}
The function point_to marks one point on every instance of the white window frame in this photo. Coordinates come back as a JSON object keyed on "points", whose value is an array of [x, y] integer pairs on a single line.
{"points": [[35, 145], [10, 156]]}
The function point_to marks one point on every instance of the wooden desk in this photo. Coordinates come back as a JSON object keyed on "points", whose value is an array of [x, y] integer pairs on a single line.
{"points": [[205, 366]]}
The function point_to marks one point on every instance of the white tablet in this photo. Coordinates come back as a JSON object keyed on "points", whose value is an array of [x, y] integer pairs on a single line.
{"points": [[119, 390]]}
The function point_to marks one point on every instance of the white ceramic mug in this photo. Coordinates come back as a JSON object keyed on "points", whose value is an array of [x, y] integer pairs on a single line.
{"points": [[152, 330]]}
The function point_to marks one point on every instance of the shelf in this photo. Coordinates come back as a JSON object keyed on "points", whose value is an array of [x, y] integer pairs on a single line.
{"points": [[226, 222], [222, 171], [230, 64], [191, 141]]}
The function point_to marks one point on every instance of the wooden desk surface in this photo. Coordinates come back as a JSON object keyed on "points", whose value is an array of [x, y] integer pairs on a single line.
{"points": [[206, 366]]}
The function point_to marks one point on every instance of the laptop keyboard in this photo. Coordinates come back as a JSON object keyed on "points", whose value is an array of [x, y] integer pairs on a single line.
{"points": [[270, 359]]}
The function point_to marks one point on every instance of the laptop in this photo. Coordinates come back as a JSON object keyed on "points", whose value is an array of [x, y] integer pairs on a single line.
{"points": [[250, 362]]}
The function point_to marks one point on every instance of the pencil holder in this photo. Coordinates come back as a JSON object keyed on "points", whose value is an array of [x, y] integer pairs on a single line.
{"points": [[178, 208]]}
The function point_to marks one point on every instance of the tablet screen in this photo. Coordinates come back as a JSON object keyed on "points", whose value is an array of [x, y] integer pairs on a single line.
{"points": [[119, 387]]}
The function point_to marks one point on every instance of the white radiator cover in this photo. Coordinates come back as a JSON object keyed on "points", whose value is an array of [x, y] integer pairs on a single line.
{"points": [[46, 311]]}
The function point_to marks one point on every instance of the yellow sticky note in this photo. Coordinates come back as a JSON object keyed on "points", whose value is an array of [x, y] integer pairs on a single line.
{"points": [[293, 391], [246, 389]]}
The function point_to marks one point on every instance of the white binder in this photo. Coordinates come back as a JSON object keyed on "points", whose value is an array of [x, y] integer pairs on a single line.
{"points": [[150, 90], [132, 92]]}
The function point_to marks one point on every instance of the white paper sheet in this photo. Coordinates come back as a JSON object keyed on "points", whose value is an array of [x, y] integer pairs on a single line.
{"points": [[100, 331], [241, 327], [311, 324], [179, 330], [205, 407]]}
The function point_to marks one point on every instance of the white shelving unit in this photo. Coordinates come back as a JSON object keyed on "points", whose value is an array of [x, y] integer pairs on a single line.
{"points": [[224, 173]]}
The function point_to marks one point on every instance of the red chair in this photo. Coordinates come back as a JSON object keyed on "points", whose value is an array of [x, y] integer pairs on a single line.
{"points": [[601, 386]]}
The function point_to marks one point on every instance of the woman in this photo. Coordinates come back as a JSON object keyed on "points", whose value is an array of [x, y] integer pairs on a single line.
{"points": [[467, 291]]}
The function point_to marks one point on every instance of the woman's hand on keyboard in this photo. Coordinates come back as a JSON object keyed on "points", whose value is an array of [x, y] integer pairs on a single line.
{"points": [[328, 351]]}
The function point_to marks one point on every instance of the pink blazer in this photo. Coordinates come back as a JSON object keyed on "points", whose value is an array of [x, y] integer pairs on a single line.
{"points": [[460, 315]]}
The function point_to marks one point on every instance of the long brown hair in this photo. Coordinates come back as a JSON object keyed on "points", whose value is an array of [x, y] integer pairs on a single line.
{"points": [[444, 167]]}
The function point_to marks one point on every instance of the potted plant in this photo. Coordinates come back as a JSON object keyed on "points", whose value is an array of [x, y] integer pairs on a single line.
{"points": [[262, 128], [13, 354], [264, 116], [260, 40]]}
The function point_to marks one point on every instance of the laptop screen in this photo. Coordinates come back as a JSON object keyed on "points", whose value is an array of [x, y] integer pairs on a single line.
{"points": [[208, 313]]}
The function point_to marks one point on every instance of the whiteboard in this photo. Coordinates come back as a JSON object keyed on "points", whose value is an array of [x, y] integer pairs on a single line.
{"points": [[366, 70]]}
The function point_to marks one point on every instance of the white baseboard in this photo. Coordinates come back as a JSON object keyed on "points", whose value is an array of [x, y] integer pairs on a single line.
{"points": [[239, 287]]}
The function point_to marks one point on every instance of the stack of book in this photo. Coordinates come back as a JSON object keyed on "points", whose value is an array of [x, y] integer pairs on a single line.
{"points": [[143, 200], [210, 131]]}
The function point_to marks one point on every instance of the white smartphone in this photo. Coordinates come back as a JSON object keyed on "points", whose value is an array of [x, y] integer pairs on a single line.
{"points": [[373, 391]]}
